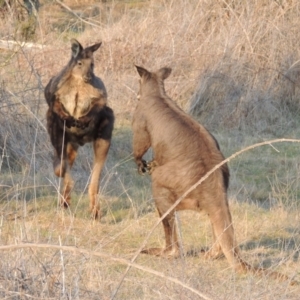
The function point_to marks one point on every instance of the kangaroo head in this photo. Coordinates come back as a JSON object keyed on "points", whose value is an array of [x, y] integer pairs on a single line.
{"points": [[82, 61], [152, 82]]}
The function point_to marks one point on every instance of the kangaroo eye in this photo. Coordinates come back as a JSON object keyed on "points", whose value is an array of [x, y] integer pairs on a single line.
{"points": [[79, 63]]}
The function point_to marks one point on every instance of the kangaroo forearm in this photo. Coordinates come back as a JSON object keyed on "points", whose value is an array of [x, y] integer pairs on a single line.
{"points": [[93, 114], [139, 152]]}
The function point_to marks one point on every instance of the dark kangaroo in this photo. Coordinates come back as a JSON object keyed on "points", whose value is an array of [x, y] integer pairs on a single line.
{"points": [[78, 114], [184, 151]]}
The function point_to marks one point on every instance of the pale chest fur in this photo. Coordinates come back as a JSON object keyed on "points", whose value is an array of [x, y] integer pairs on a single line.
{"points": [[78, 97]]}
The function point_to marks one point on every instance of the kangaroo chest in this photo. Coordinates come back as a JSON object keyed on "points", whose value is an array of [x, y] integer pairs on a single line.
{"points": [[78, 97]]}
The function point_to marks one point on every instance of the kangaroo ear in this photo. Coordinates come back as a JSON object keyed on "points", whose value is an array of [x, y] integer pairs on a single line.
{"points": [[76, 48], [94, 47], [164, 73], [143, 72]]}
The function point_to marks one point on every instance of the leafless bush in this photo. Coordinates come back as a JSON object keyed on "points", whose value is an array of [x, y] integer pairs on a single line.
{"points": [[235, 64], [255, 81]]}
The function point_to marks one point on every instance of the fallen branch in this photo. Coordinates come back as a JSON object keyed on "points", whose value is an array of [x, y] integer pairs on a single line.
{"points": [[106, 256], [15, 45]]}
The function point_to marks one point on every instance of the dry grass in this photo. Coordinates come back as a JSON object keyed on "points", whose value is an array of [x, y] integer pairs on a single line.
{"points": [[267, 238], [235, 67]]}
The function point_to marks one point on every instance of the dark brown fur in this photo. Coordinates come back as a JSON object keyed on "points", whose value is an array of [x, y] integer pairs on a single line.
{"points": [[184, 152], [78, 114]]}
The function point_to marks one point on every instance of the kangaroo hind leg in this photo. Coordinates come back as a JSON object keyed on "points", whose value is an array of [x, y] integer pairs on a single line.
{"points": [[101, 147], [163, 200], [62, 156], [68, 181], [224, 233], [215, 251]]}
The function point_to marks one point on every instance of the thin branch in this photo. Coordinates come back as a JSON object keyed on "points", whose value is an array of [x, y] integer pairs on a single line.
{"points": [[240, 23], [77, 16], [106, 256], [35, 117]]}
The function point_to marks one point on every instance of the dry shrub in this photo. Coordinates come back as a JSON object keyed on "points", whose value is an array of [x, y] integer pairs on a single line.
{"points": [[253, 78], [235, 64]]}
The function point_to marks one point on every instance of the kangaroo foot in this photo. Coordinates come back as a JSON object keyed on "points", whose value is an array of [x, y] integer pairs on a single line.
{"points": [[95, 213], [213, 253], [65, 203], [167, 253]]}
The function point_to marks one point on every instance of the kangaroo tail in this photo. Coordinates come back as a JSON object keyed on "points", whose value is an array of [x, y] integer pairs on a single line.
{"points": [[245, 267]]}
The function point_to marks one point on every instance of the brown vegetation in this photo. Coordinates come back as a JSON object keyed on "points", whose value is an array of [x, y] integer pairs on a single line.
{"points": [[78, 114]]}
